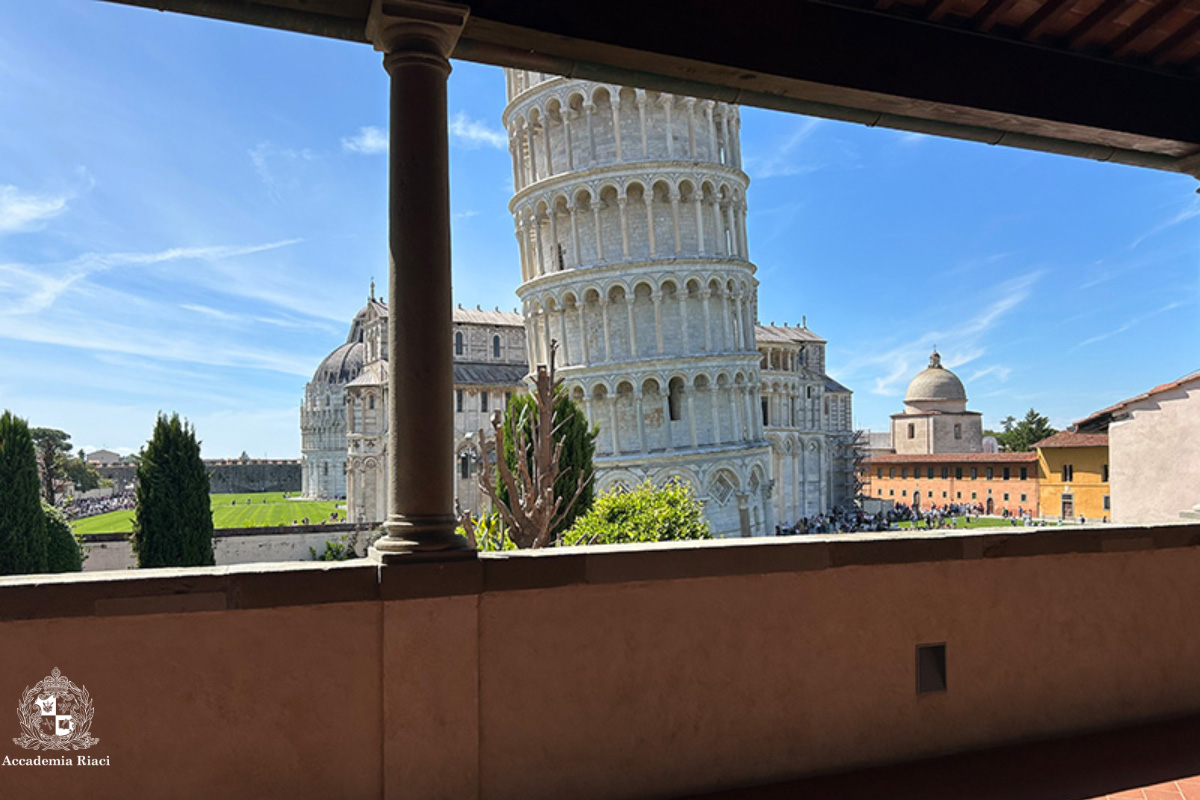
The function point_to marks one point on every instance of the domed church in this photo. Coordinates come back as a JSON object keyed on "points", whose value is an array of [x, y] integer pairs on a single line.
{"points": [[323, 412], [935, 417]]}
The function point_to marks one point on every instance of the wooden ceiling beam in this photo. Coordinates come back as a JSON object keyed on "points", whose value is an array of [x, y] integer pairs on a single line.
{"points": [[990, 14], [1103, 12], [1161, 54], [1123, 44], [1043, 18], [936, 9]]}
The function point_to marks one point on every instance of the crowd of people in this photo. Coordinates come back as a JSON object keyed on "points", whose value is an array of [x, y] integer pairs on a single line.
{"points": [[78, 508], [855, 520], [839, 520]]}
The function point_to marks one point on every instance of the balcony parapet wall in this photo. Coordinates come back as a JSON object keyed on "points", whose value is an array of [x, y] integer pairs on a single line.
{"points": [[413, 679]]}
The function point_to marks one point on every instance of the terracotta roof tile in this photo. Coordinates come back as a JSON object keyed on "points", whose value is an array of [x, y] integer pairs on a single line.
{"points": [[1098, 417], [1072, 439]]}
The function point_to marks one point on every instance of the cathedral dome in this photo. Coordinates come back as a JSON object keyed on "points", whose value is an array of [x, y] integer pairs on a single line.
{"points": [[935, 383], [342, 365]]}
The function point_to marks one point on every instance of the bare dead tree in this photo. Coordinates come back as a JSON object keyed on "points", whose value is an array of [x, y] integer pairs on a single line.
{"points": [[532, 511]]}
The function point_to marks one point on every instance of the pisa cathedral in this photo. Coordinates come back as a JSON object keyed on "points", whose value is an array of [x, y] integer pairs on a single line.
{"points": [[629, 212]]}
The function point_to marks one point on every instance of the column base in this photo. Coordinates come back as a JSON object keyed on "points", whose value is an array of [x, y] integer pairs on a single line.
{"points": [[421, 537]]}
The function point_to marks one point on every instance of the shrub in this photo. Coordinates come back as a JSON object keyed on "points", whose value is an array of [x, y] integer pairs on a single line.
{"points": [[645, 514], [22, 526], [64, 550], [172, 525]]}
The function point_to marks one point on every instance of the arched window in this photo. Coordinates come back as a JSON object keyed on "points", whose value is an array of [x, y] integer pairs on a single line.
{"points": [[495, 347], [458, 343], [464, 466], [483, 401], [912, 431], [458, 399], [371, 402], [766, 411], [958, 430], [675, 399]]}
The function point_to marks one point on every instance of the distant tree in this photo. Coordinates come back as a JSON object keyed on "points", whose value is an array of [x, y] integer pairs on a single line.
{"points": [[1029, 431], [64, 550], [82, 474], [53, 447], [173, 524], [244, 456], [22, 525], [1008, 422], [648, 513]]}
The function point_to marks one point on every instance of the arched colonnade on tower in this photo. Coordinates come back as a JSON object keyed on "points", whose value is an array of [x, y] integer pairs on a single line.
{"points": [[661, 411], [569, 126], [602, 321], [629, 217]]}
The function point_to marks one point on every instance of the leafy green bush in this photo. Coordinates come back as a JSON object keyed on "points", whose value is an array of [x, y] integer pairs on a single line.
{"points": [[173, 524], [489, 533], [64, 550], [645, 514], [22, 526]]}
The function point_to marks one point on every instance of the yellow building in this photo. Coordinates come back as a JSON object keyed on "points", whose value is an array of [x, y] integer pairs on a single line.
{"points": [[1073, 476]]}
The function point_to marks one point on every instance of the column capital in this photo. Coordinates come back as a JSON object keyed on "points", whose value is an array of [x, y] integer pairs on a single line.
{"points": [[427, 28]]}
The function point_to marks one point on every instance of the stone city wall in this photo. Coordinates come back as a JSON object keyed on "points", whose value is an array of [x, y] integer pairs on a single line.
{"points": [[227, 477], [109, 551]]}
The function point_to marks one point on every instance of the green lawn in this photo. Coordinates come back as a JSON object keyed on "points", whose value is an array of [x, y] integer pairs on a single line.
{"points": [[231, 511]]}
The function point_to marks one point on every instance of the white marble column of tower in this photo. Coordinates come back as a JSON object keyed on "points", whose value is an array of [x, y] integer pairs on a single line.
{"points": [[651, 259]]}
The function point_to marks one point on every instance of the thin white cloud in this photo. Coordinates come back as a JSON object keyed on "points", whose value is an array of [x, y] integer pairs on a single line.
{"points": [[999, 371], [960, 343], [1129, 324], [20, 211], [369, 140], [37, 287], [264, 156], [473, 133], [783, 161], [1190, 212]]}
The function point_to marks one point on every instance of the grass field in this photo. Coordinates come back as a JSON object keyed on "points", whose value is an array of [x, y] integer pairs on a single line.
{"points": [[231, 511]]}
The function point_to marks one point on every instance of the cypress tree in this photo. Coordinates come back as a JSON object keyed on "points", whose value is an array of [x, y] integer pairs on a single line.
{"points": [[173, 522], [22, 527]]}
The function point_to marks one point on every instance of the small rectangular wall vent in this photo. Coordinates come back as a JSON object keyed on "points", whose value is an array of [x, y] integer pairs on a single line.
{"points": [[931, 668]]}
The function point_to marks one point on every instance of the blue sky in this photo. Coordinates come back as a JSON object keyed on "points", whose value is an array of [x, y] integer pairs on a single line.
{"points": [[191, 212]]}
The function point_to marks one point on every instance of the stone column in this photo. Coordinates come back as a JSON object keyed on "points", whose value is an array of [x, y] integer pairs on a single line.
{"points": [[641, 104], [622, 201], [416, 39], [648, 199], [576, 261], [614, 102], [699, 198], [668, 101], [597, 205], [675, 219], [656, 298], [514, 146], [588, 108], [566, 118]]}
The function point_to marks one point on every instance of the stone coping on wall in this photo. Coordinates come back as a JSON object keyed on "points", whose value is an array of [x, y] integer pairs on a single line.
{"points": [[223, 533], [274, 584]]}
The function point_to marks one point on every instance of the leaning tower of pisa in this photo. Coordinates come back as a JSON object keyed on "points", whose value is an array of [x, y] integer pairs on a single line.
{"points": [[630, 212]]}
